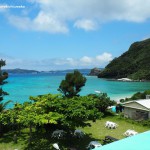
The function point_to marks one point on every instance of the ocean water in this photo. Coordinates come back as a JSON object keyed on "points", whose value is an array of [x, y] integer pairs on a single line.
{"points": [[21, 86]]}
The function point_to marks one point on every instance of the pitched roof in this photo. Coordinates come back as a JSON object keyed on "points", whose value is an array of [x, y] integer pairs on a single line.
{"points": [[143, 102]]}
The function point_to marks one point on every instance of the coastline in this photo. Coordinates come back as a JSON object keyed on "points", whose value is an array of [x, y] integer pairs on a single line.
{"points": [[20, 87], [117, 98], [127, 80]]}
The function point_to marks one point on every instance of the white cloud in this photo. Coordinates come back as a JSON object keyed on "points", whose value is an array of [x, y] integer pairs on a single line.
{"points": [[104, 58], [58, 63], [71, 61], [50, 23], [83, 62], [43, 22], [63, 61], [86, 60], [85, 24], [53, 16]]}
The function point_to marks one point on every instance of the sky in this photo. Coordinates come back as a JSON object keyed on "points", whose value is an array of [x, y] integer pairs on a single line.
{"points": [[69, 34]]}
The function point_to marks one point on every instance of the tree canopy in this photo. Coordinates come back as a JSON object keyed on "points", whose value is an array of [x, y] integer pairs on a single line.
{"points": [[53, 110], [136, 96], [72, 84], [74, 111], [102, 102]]}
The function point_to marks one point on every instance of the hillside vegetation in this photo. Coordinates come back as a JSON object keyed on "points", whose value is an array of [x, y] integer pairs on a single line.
{"points": [[137, 96], [134, 64]]}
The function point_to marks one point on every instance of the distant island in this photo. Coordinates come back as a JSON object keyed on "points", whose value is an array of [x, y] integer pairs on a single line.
{"points": [[19, 71], [95, 72], [133, 64], [26, 71]]}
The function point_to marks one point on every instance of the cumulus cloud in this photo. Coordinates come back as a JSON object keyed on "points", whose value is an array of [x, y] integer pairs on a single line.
{"points": [[104, 58], [48, 22], [86, 60], [85, 24], [43, 22], [53, 16], [58, 63], [97, 61]]}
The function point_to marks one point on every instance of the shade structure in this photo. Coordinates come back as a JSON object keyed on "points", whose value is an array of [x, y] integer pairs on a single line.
{"points": [[137, 142]]}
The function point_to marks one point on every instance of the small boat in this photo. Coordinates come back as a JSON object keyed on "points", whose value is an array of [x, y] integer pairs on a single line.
{"points": [[98, 91]]}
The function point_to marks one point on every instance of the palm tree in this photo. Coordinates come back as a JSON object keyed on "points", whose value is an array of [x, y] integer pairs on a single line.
{"points": [[3, 105]]}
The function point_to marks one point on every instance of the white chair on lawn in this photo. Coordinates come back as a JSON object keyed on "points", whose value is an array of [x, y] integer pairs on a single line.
{"points": [[111, 125], [107, 124], [129, 133]]}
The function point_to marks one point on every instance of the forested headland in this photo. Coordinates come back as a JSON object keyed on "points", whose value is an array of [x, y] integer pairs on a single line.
{"points": [[133, 64]]}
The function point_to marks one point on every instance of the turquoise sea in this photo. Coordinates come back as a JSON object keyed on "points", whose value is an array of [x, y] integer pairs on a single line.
{"points": [[21, 86]]}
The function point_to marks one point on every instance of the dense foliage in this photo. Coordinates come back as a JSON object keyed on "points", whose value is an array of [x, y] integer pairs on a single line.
{"points": [[136, 96], [102, 102], [72, 84], [134, 63], [74, 111], [52, 112]]}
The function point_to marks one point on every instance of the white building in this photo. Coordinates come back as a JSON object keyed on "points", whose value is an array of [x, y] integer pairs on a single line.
{"points": [[137, 109]]}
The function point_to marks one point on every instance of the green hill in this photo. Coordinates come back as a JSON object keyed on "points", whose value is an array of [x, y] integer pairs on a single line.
{"points": [[134, 64]]}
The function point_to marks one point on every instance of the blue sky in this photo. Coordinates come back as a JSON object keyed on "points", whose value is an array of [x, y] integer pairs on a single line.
{"points": [[69, 34]]}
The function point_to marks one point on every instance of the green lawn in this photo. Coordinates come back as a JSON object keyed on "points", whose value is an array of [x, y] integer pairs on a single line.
{"points": [[97, 131]]}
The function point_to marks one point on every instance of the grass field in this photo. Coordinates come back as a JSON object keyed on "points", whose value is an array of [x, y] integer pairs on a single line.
{"points": [[97, 131]]}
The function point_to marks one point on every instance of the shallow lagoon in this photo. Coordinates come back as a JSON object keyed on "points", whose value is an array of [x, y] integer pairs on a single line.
{"points": [[21, 86]]}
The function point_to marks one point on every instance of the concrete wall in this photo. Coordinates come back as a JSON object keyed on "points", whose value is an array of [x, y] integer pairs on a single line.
{"points": [[136, 114], [149, 115], [128, 112]]}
